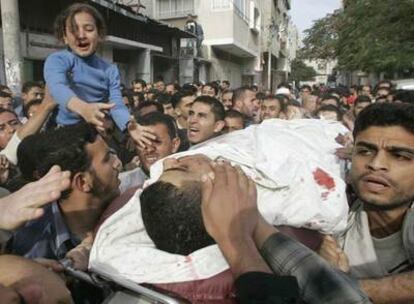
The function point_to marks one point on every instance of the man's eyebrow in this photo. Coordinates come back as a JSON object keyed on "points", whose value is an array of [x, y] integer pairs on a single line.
{"points": [[367, 145], [400, 149]]}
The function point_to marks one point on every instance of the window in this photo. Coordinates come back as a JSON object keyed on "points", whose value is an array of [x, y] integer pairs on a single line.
{"points": [[255, 21], [240, 9], [220, 4], [174, 8]]}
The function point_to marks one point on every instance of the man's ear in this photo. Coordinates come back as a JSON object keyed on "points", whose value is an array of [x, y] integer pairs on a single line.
{"points": [[175, 144], [177, 111], [82, 181], [219, 126]]}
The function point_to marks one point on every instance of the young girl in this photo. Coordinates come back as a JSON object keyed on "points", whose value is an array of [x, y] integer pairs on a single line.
{"points": [[84, 85]]}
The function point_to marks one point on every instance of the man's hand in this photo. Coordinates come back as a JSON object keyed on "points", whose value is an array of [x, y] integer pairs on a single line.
{"points": [[80, 254], [26, 204], [4, 169], [48, 103], [333, 254], [140, 134], [229, 203], [230, 216]]}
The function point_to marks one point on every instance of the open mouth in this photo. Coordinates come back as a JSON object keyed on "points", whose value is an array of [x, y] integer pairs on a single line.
{"points": [[193, 131], [83, 45], [375, 183], [151, 158]]}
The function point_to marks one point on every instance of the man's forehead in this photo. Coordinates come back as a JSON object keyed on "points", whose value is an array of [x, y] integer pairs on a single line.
{"points": [[386, 136], [6, 117]]}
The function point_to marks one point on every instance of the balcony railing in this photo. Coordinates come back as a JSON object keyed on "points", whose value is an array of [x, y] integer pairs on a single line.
{"points": [[174, 8]]}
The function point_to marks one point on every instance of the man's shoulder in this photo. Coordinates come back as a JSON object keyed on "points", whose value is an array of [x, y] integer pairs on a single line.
{"points": [[34, 234]]}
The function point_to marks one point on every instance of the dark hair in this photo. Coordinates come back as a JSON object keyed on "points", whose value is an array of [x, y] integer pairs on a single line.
{"points": [[385, 115], [330, 108], [141, 81], [5, 94], [305, 86], [226, 91], [163, 98], [239, 93], [4, 87], [329, 96], [226, 82], [260, 96], [70, 12], [172, 217], [236, 114], [216, 106], [361, 99], [406, 96], [294, 103], [189, 87], [176, 98], [154, 118], [147, 103], [212, 85], [28, 105], [28, 85], [65, 146], [175, 85]]}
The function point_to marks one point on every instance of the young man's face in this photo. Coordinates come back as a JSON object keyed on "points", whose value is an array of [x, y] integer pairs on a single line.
{"points": [[226, 100], [359, 107], [6, 103], [169, 109], [234, 124], [202, 124], [161, 147], [270, 109], [208, 91], [170, 90], [160, 86], [138, 88], [383, 167], [104, 170], [9, 123], [32, 94], [183, 107], [248, 103], [84, 39]]}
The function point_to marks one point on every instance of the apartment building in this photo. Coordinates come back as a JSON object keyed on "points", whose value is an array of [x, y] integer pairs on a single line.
{"points": [[231, 48]]}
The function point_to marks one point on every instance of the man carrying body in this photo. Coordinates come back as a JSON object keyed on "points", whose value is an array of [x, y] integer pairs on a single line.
{"points": [[272, 106], [244, 101], [166, 142], [379, 242], [94, 183], [206, 119], [285, 181]]}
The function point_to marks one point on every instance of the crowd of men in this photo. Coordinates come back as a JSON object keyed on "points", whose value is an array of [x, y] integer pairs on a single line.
{"points": [[57, 183]]}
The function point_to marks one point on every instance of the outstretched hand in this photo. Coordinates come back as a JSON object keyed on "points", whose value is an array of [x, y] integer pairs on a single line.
{"points": [[26, 204], [94, 113], [140, 134]]}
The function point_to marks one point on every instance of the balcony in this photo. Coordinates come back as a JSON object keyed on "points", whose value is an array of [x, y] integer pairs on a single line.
{"points": [[172, 9]]}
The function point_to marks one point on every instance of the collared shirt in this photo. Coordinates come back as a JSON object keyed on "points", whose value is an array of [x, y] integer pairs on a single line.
{"points": [[47, 237]]}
